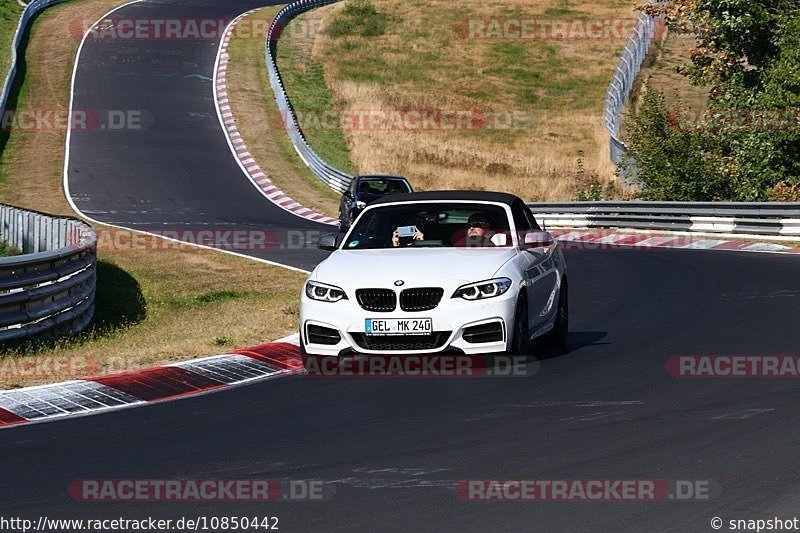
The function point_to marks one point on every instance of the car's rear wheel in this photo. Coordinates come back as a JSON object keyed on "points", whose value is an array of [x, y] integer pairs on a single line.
{"points": [[556, 339], [520, 336]]}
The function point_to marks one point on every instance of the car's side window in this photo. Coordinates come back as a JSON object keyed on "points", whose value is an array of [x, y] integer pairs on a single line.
{"points": [[531, 219], [520, 220]]}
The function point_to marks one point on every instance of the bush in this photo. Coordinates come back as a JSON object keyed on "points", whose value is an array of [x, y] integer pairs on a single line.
{"points": [[8, 249], [740, 149]]}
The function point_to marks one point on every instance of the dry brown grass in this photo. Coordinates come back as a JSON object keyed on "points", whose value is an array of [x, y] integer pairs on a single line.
{"points": [[663, 75], [421, 62], [253, 105], [178, 302]]}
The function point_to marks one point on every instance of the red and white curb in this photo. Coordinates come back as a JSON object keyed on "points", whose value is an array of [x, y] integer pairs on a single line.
{"points": [[597, 239], [245, 159], [129, 389], [271, 360]]}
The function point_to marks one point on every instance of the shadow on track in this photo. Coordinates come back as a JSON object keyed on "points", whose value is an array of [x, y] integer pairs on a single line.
{"points": [[575, 341]]}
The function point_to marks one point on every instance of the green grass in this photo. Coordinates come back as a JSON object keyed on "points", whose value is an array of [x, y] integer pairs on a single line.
{"points": [[531, 75], [7, 250], [188, 301], [359, 17], [9, 17], [304, 81]]}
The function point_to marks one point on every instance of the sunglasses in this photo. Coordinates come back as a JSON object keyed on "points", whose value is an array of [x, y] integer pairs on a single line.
{"points": [[484, 225]]}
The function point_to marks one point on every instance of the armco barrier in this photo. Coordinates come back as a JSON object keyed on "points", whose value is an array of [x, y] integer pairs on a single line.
{"points": [[747, 219], [330, 176], [51, 286], [30, 10]]}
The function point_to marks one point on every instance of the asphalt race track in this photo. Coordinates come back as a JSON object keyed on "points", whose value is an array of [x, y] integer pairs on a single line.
{"points": [[169, 168], [392, 449]]}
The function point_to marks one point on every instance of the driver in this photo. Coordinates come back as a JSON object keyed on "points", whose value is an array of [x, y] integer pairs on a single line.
{"points": [[476, 233]]}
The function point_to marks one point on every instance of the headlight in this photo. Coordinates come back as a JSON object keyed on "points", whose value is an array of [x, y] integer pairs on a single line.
{"points": [[483, 289], [324, 293]]}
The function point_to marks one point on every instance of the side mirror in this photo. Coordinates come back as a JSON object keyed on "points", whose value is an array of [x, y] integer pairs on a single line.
{"points": [[538, 239], [499, 239], [328, 242]]}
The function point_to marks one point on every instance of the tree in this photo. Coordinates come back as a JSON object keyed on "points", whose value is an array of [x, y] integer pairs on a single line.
{"points": [[746, 146]]}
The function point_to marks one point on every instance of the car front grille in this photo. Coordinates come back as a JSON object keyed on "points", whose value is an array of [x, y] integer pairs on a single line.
{"points": [[393, 343], [423, 299], [379, 300]]}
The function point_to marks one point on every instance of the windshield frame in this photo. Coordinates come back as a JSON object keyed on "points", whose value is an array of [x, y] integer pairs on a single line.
{"points": [[506, 208]]}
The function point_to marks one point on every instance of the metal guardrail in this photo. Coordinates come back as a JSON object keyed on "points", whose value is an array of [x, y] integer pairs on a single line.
{"points": [[776, 219], [51, 287], [30, 10], [332, 177]]}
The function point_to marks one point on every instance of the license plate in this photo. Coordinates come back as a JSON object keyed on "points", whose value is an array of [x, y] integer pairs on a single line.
{"points": [[399, 326]]}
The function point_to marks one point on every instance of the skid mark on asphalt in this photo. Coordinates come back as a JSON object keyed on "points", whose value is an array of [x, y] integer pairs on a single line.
{"points": [[394, 478]]}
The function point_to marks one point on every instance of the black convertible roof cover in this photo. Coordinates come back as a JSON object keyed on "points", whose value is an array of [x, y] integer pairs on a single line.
{"points": [[449, 196]]}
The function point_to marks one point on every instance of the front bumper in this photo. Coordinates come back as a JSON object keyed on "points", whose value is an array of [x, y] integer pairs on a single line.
{"points": [[450, 318]]}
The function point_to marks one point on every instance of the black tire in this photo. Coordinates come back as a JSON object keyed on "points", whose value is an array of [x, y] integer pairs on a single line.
{"points": [[556, 339], [520, 335]]}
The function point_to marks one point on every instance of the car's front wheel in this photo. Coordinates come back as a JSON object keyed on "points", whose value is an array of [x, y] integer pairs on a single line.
{"points": [[318, 365], [520, 336], [556, 339]]}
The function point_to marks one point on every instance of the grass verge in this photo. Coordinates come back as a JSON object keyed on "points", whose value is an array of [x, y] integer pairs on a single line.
{"points": [[543, 96], [253, 104], [10, 11], [304, 81], [663, 74], [155, 304]]}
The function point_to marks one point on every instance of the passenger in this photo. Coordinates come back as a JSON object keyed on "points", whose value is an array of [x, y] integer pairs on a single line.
{"points": [[419, 234]]}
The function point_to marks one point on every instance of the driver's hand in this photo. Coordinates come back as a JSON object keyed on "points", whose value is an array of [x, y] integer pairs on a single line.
{"points": [[395, 239], [418, 236]]}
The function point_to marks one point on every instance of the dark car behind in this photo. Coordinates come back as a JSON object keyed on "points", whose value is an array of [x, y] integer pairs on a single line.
{"points": [[365, 189]]}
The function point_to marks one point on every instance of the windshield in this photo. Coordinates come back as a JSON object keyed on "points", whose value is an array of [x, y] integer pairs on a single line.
{"points": [[382, 185], [430, 225]]}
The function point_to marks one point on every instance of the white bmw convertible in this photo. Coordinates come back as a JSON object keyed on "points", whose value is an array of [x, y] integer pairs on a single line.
{"points": [[454, 271]]}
